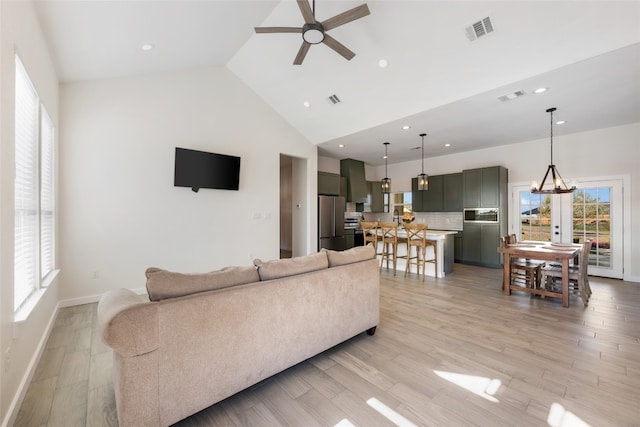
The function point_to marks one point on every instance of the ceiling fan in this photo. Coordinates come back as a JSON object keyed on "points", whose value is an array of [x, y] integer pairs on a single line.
{"points": [[314, 32]]}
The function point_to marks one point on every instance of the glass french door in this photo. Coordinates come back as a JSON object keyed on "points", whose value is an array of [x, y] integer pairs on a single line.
{"points": [[593, 211]]}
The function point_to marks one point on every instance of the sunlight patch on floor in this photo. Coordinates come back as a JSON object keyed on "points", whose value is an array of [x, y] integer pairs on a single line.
{"points": [[481, 386], [344, 423], [560, 417], [389, 413]]}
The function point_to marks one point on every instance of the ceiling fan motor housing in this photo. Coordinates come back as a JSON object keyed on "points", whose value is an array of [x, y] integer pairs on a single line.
{"points": [[313, 32]]}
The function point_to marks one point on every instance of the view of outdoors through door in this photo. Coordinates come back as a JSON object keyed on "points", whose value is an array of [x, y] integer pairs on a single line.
{"points": [[596, 216], [592, 220]]}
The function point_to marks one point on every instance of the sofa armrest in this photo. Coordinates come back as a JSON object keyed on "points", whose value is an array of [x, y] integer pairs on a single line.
{"points": [[127, 324]]}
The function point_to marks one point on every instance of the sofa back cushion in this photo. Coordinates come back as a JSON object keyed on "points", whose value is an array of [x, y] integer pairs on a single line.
{"points": [[291, 266], [163, 284], [356, 254]]}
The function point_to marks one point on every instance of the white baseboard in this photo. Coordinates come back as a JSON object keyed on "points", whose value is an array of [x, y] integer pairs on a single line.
{"points": [[12, 412], [91, 299]]}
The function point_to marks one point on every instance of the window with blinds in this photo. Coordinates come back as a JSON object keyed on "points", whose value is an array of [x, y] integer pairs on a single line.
{"points": [[34, 193]]}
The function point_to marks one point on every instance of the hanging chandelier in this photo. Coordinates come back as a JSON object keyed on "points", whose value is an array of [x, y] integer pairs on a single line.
{"points": [[423, 178], [386, 182], [558, 184]]}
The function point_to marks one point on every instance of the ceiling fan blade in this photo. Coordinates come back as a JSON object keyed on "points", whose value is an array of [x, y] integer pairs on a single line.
{"points": [[345, 17], [260, 30], [302, 53], [338, 47], [306, 11]]}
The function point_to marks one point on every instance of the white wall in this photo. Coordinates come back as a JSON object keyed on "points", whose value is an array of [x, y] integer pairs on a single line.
{"points": [[120, 212], [601, 153], [19, 33]]}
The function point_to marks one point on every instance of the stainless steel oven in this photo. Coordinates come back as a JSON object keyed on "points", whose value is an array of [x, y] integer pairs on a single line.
{"points": [[481, 215]]}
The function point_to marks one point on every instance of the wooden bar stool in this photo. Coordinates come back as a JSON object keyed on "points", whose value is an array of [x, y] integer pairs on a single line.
{"points": [[370, 234], [388, 233], [417, 238]]}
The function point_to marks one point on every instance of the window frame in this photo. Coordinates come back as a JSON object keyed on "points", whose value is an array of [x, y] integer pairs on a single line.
{"points": [[34, 195]]}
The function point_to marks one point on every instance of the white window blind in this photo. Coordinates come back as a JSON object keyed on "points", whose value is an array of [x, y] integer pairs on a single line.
{"points": [[26, 188], [34, 192], [47, 195]]}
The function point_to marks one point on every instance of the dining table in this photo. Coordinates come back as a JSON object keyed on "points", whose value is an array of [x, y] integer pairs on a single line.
{"points": [[544, 251]]}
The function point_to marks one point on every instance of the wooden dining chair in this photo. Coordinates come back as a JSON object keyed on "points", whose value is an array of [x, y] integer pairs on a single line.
{"points": [[524, 272], [578, 274], [388, 234], [417, 238]]}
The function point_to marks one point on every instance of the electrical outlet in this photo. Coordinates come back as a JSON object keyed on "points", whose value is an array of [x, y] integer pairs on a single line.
{"points": [[95, 274]]}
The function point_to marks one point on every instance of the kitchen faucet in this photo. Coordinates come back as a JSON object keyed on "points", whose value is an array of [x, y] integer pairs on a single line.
{"points": [[396, 213]]}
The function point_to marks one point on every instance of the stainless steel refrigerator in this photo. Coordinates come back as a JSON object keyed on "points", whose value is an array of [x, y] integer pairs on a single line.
{"points": [[331, 222]]}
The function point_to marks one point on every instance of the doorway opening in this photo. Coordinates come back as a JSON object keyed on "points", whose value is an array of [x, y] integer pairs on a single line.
{"points": [[293, 206]]}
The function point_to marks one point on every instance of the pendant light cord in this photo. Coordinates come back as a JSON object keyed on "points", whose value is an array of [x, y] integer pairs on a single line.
{"points": [[551, 110], [423, 135]]}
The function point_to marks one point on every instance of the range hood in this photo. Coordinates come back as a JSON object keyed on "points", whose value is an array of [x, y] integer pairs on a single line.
{"points": [[353, 171]]}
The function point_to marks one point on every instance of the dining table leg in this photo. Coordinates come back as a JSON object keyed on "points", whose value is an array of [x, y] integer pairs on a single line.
{"points": [[565, 282], [506, 279]]}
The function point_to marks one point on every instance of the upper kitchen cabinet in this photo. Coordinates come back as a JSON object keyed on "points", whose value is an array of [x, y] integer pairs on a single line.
{"points": [[353, 171], [328, 184], [452, 186], [376, 196], [444, 194], [485, 187]]}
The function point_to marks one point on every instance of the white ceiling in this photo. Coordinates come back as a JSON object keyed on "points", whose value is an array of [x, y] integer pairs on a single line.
{"points": [[437, 81]]}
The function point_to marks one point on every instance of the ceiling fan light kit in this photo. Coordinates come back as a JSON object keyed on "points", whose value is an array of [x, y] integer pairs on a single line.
{"points": [[558, 184], [314, 32]]}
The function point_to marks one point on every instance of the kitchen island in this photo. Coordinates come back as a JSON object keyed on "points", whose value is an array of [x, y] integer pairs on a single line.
{"points": [[445, 243]]}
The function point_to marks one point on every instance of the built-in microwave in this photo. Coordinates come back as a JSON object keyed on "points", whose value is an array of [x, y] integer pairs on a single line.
{"points": [[481, 215]]}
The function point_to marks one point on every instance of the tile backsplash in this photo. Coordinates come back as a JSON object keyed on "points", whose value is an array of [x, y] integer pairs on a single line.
{"points": [[435, 220]]}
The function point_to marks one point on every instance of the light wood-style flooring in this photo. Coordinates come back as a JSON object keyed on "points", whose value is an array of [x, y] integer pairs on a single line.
{"points": [[447, 352]]}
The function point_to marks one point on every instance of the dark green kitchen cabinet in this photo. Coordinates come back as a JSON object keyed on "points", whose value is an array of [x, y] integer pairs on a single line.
{"points": [[427, 200], [452, 190], [484, 187], [328, 184], [480, 244], [376, 196], [444, 194]]}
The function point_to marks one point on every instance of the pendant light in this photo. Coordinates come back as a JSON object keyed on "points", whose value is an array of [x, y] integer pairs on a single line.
{"points": [[423, 178], [558, 184], [386, 182]]}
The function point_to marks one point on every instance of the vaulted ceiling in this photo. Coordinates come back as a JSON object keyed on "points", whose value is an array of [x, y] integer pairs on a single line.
{"points": [[437, 81]]}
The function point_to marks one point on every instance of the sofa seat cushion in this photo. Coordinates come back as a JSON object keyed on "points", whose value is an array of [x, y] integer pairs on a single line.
{"points": [[275, 269], [356, 254], [163, 284]]}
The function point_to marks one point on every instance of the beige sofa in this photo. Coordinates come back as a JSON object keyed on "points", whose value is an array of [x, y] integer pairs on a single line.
{"points": [[204, 337]]}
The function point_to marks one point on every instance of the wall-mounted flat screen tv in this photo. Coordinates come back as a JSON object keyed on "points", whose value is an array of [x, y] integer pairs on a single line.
{"points": [[200, 169]]}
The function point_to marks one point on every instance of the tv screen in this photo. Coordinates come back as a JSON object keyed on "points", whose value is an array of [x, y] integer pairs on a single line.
{"points": [[200, 169]]}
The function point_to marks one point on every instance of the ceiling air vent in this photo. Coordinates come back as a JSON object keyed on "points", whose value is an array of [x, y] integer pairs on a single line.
{"points": [[479, 29], [510, 96], [333, 99]]}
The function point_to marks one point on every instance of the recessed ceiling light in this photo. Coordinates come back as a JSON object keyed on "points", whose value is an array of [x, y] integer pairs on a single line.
{"points": [[561, 122], [540, 90], [383, 63], [406, 127], [447, 145], [307, 104], [340, 145], [146, 47]]}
